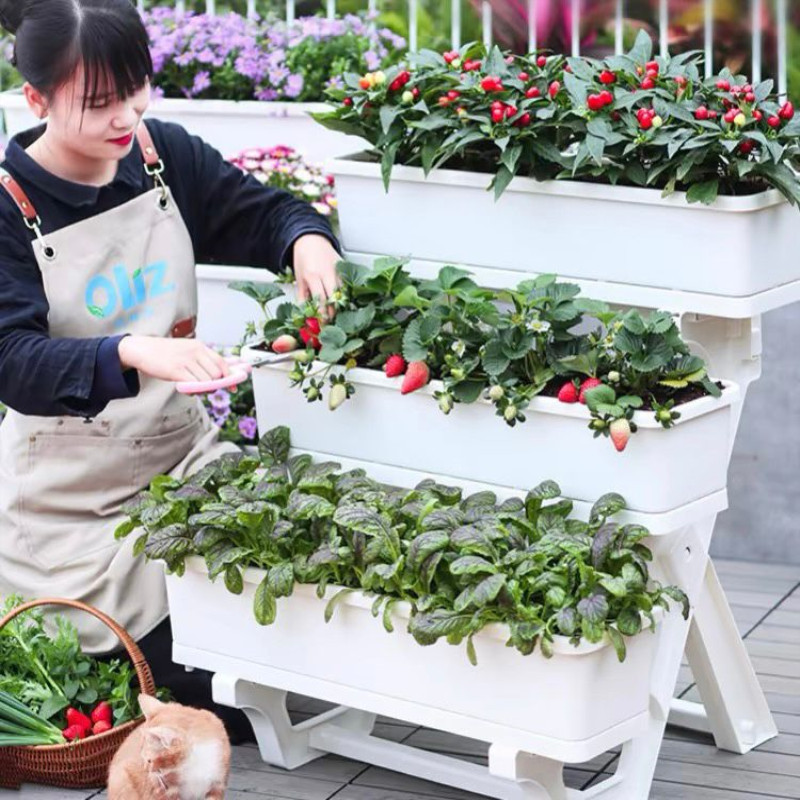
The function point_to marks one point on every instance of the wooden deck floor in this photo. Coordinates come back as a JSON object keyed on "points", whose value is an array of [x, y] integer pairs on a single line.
{"points": [[766, 601]]}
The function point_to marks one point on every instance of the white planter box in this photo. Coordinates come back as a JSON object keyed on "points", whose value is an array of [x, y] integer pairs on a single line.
{"points": [[660, 470], [577, 230], [568, 705], [228, 125], [223, 313]]}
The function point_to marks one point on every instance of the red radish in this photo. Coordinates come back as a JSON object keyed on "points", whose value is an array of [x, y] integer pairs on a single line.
{"points": [[101, 726], [395, 365], [620, 431], [568, 393], [102, 712], [72, 732], [75, 717], [589, 383], [417, 375]]}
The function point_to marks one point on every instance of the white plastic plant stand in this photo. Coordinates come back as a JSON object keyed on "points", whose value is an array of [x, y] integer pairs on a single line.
{"points": [[726, 331], [525, 763]]}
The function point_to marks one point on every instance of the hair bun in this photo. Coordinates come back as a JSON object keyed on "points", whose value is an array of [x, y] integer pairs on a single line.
{"points": [[11, 14]]}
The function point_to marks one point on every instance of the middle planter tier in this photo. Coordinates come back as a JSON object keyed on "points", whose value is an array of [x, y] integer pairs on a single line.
{"points": [[660, 470]]}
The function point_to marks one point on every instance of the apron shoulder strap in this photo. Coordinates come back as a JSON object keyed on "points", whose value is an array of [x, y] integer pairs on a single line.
{"points": [[17, 194], [27, 209], [149, 152]]}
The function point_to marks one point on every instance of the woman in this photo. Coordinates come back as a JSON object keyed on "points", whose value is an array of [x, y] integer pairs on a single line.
{"points": [[102, 219]]}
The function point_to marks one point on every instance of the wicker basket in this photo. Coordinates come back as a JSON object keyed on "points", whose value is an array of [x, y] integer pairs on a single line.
{"points": [[82, 764]]}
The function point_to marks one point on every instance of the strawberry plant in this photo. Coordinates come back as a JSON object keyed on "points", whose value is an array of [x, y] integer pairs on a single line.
{"points": [[505, 346], [629, 119], [460, 562]]}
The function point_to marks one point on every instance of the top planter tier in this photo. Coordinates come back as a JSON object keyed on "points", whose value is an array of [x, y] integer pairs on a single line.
{"points": [[737, 247], [227, 125]]}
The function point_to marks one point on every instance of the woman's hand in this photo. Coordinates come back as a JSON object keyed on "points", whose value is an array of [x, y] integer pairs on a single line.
{"points": [[315, 259], [172, 359]]}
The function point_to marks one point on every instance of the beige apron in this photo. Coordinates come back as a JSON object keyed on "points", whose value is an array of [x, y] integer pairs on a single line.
{"points": [[63, 479]]}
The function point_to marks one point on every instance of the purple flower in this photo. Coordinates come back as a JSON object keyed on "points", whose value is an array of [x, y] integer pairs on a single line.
{"points": [[220, 400], [201, 82], [248, 427]]}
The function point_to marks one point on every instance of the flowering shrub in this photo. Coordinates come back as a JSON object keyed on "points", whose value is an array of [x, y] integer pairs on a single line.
{"points": [[505, 346], [231, 57], [630, 119], [283, 168]]}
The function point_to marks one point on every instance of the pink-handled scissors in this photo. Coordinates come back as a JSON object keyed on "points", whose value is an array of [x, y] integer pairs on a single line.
{"points": [[240, 369]]}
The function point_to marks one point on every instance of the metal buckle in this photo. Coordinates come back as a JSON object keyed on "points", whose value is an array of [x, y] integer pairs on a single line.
{"points": [[35, 225], [155, 173]]}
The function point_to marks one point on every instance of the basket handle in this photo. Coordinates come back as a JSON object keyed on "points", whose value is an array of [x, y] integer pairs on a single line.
{"points": [[143, 673]]}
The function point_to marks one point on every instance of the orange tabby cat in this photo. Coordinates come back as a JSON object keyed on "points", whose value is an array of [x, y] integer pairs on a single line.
{"points": [[178, 753]]}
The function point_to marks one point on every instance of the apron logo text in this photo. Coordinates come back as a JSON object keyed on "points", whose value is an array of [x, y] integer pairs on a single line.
{"points": [[127, 296]]}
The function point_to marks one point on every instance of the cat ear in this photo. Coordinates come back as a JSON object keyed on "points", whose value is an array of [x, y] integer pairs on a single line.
{"points": [[160, 738], [149, 705]]}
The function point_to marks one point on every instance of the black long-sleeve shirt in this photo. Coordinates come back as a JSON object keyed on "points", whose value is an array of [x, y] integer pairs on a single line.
{"points": [[231, 218]]}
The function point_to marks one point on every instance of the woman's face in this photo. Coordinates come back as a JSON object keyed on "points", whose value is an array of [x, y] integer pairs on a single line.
{"points": [[103, 129]]}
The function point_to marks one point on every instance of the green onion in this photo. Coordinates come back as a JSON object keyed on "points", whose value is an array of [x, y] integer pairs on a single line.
{"points": [[20, 726]]}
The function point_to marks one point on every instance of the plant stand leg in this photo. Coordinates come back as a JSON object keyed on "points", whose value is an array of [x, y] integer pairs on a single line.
{"points": [[733, 708], [280, 742]]}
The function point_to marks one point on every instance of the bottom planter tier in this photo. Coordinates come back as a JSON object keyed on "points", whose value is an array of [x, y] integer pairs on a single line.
{"points": [[572, 706], [660, 470]]}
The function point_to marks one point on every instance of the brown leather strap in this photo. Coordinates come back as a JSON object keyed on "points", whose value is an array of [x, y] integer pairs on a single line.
{"points": [[18, 196], [148, 149]]}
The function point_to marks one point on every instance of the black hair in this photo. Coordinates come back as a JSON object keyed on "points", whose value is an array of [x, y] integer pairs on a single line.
{"points": [[53, 37]]}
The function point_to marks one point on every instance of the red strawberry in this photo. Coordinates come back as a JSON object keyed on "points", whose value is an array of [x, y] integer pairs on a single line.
{"points": [[746, 147], [701, 113], [72, 732], [532, 92], [101, 726], [787, 110], [724, 85], [541, 61], [607, 77], [523, 76], [648, 83], [554, 89], [606, 97], [395, 365], [283, 344], [774, 122], [416, 377], [102, 713], [589, 383], [348, 101], [568, 393], [620, 431], [309, 338], [75, 717]]}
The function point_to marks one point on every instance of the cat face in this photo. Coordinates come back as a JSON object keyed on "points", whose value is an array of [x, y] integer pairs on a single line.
{"points": [[186, 750]]}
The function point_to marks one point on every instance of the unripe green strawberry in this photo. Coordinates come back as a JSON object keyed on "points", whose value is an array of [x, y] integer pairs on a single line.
{"points": [[445, 404], [408, 96], [614, 377], [496, 393], [337, 396], [510, 413]]}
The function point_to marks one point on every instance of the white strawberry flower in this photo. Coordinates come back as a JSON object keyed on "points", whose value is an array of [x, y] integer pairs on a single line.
{"points": [[539, 326], [459, 348]]}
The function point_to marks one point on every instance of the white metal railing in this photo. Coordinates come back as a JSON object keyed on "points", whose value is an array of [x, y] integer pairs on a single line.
{"points": [[756, 9]]}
